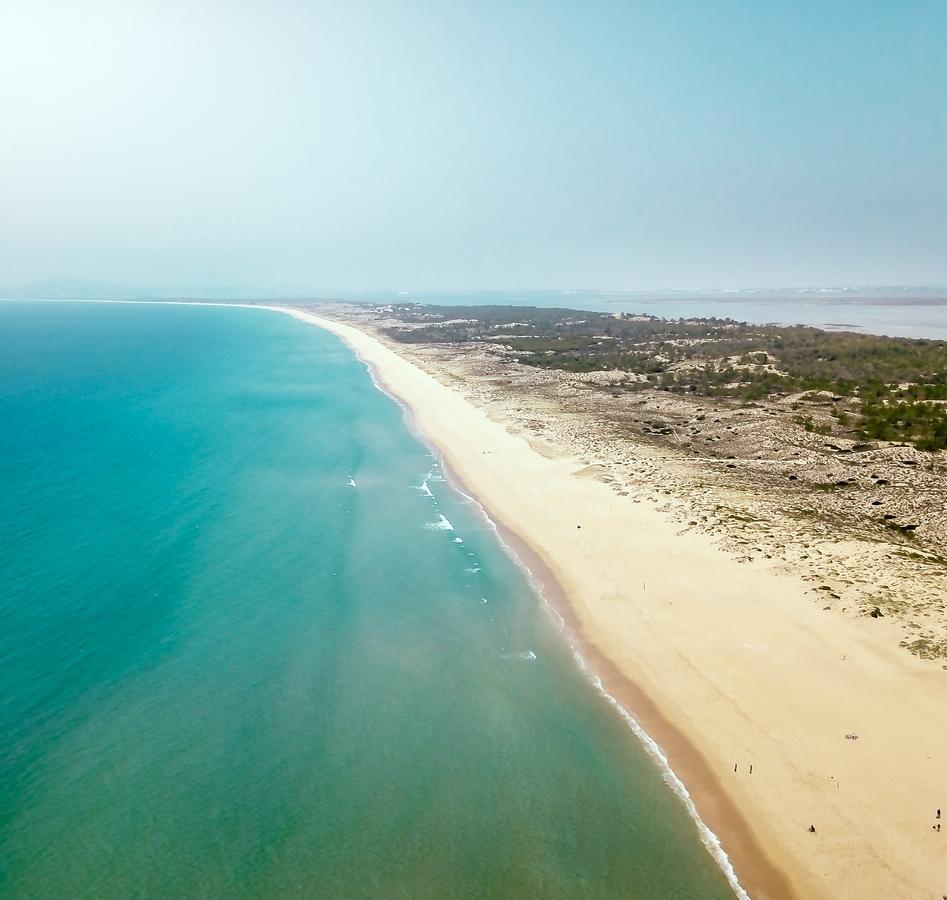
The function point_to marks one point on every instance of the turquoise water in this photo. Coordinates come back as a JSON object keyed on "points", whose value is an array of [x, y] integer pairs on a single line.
{"points": [[229, 672]]}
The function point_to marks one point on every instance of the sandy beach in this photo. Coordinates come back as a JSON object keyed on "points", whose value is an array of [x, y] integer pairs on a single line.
{"points": [[728, 665]]}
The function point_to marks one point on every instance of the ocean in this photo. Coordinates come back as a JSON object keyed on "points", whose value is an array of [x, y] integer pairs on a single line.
{"points": [[255, 646]]}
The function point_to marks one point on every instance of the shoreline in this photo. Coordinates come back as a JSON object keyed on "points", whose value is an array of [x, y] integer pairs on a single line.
{"points": [[646, 723], [618, 691], [681, 765]]}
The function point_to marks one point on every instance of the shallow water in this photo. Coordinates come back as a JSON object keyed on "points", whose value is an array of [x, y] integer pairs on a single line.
{"points": [[246, 653]]}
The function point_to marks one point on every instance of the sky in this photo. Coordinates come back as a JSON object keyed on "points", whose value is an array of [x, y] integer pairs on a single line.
{"points": [[351, 145]]}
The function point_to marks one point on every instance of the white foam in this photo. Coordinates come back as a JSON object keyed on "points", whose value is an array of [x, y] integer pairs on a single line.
{"points": [[442, 524], [707, 837], [424, 489], [458, 540], [526, 655], [472, 570], [352, 482]]}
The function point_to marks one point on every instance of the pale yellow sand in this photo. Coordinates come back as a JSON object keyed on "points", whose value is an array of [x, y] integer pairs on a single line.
{"points": [[736, 660]]}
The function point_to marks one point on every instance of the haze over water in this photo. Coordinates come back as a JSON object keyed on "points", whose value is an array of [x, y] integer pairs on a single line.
{"points": [[255, 646]]}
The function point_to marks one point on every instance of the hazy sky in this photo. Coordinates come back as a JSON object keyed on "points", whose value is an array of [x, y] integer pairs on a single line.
{"points": [[474, 144]]}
